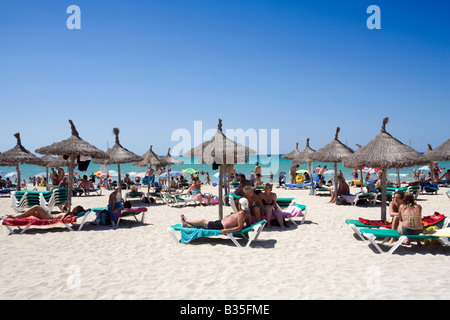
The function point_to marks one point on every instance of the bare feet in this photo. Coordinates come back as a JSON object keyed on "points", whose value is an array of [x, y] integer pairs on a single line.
{"points": [[183, 221]]}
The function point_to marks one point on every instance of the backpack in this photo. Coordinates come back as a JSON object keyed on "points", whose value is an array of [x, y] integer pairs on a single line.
{"points": [[103, 218]]}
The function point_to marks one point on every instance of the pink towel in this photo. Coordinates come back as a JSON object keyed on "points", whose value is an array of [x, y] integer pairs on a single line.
{"points": [[292, 211]]}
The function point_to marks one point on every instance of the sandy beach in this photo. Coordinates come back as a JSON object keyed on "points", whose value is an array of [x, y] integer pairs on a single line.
{"points": [[321, 259]]}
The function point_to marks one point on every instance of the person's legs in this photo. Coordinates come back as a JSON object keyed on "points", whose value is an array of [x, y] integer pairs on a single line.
{"points": [[194, 224], [268, 212], [280, 218], [35, 211]]}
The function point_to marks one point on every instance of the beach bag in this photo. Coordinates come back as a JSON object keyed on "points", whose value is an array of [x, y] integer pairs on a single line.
{"points": [[103, 218]]}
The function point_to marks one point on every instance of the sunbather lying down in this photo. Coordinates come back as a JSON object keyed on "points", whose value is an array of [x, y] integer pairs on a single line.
{"points": [[40, 213], [231, 223]]}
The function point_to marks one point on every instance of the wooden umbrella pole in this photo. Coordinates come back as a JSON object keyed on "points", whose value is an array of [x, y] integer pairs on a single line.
{"points": [[383, 194], [71, 168], [18, 177], [221, 193], [361, 180], [335, 183]]}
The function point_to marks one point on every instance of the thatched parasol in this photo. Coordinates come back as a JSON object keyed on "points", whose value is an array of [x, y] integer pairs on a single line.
{"points": [[303, 157], [19, 155], [118, 154], [386, 152], [334, 152], [440, 153], [172, 160], [223, 152], [293, 154], [152, 159], [58, 162], [73, 147]]}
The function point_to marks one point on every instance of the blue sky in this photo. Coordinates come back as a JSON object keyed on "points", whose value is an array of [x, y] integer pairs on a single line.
{"points": [[151, 67]]}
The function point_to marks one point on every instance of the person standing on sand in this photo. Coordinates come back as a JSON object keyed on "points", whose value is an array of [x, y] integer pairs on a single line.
{"points": [[258, 174]]}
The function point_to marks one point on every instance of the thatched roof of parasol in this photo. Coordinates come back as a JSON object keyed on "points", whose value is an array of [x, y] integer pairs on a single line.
{"points": [[19, 155], [335, 151], [293, 154], [152, 159], [303, 156], [56, 162], [172, 160], [73, 146], [118, 154], [440, 153], [220, 150], [385, 151]]}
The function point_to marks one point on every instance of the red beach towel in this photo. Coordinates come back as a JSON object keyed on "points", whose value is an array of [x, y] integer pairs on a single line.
{"points": [[426, 221], [33, 221]]}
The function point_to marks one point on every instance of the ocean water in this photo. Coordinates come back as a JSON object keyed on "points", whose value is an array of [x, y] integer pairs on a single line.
{"points": [[274, 164]]}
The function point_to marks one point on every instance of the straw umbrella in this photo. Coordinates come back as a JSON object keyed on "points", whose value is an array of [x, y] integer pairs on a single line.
{"points": [[150, 159], [118, 154], [386, 152], [172, 160], [223, 152], [334, 152], [19, 155], [440, 153], [303, 157], [293, 154], [72, 148]]}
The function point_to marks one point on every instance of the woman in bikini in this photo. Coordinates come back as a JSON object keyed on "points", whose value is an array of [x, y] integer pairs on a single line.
{"points": [[40, 213], [410, 216], [195, 190], [269, 200]]}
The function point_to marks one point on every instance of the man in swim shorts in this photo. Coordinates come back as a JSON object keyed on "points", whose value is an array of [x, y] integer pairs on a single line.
{"points": [[231, 223]]}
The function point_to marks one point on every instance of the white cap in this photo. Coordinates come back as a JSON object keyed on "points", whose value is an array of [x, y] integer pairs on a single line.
{"points": [[244, 203]]}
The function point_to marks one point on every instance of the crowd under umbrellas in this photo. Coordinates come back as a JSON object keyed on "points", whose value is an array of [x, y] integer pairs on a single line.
{"points": [[223, 152], [73, 147], [117, 154], [385, 152], [305, 157], [334, 152]]}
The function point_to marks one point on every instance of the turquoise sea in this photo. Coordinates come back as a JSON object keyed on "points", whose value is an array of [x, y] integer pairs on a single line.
{"points": [[274, 164]]}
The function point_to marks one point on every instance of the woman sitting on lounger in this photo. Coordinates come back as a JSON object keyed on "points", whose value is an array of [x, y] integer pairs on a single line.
{"points": [[410, 216], [343, 188], [40, 213], [269, 200], [195, 190]]}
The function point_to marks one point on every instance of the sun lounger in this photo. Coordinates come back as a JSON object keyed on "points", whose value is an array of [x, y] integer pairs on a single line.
{"points": [[9, 223], [81, 191], [57, 198], [354, 198], [131, 212], [295, 210], [372, 234], [432, 220], [297, 185], [188, 234], [134, 195]]}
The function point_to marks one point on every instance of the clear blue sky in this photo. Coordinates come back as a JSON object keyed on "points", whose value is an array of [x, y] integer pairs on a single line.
{"points": [[150, 67]]}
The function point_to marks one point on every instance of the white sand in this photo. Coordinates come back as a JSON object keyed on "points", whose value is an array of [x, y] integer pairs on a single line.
{"points": [[318, 260]]}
